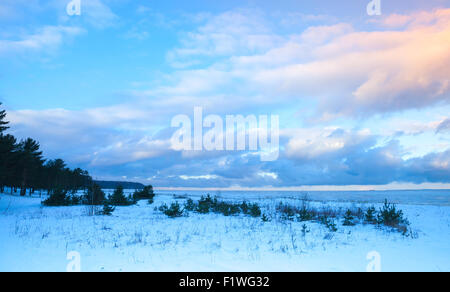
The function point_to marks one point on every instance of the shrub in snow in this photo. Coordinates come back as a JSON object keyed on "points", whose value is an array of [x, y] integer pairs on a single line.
{"points": [[95, 196], [255, 210], [287, 212], [227, 209], [107, 210], [305, 214], [118, 198], [348, 218], [329, 223], [190, 205], [208, 204], [173, 211], [305, 230], [145, 194], [245, 207], [370, 215], [390, 216], [58, 198], [265, 218], [205, 204]]}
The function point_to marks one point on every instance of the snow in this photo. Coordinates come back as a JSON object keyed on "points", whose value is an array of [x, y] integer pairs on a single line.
{"points": [[138, 238]]}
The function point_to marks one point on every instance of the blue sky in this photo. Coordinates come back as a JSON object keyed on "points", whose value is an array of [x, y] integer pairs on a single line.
{"points": [[363, 100]]}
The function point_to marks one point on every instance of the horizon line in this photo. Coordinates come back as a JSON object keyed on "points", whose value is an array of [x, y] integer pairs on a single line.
{"points": [[386, 187]]}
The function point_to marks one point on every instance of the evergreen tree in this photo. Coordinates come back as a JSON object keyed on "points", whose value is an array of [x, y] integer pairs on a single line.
{"points": [[95, 196], [54, 170], [107, 209], [369, 216], [348, 218], [30, 161], [118, 198], [3, 123], [22, 166], [8, 157], [145, 194]]}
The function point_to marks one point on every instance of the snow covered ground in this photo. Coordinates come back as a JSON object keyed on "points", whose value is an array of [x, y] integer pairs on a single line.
{"points": [[138, 238]]}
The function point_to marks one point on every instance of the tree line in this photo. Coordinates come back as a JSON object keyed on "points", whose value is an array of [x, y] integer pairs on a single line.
{"points": [[23, 166]]}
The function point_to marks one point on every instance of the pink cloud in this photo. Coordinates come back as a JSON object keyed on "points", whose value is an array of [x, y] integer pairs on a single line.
{"points": [[360, 73]]}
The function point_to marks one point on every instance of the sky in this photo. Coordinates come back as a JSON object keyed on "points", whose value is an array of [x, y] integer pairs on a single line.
{"points": [[362, 100]]}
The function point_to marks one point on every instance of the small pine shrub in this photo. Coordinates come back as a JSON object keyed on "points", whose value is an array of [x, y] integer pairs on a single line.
{"points": [[107, 210], [190, 205], [265, 218], [390, 216], [145, 194], [245, 207], [173, 211], [118, 198], [74, 200], [304, 214], [305, 230], [227, 209], [255, 210], [359, 213], [95, 196], [348, 219], [329, 223], [370, 215], [58, 198], [206, 204], [287, 212], [331, 226]]}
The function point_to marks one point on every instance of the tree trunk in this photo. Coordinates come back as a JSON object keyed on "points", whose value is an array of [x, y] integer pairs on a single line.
{"points": [[23, 189]]}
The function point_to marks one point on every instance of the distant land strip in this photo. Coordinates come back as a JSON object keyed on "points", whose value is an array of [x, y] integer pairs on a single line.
{"points": [[114, 184]]}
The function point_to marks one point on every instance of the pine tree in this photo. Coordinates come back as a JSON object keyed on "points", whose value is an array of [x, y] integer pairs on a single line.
{"points": [[370, 215], [54, 171], [118, 198], [95, 196], [3, 123], [107, 209], [8, 157], [145, 194], [348, 219], [22, 166], [30, 160]]}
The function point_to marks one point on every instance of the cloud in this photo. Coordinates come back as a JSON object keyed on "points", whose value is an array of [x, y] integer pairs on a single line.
{"points": [[370, 72], [433, 167], [224, 35], [202, 177], [444, 126], [237, 63], [99, 14], [45, 39], [107, 136], [417, 19], [346, 72], [13, 10], [94, 13], [321, 144], [108, 142]]}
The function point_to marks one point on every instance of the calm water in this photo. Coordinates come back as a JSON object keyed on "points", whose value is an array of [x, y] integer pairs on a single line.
{"points": [[416, 197]]}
